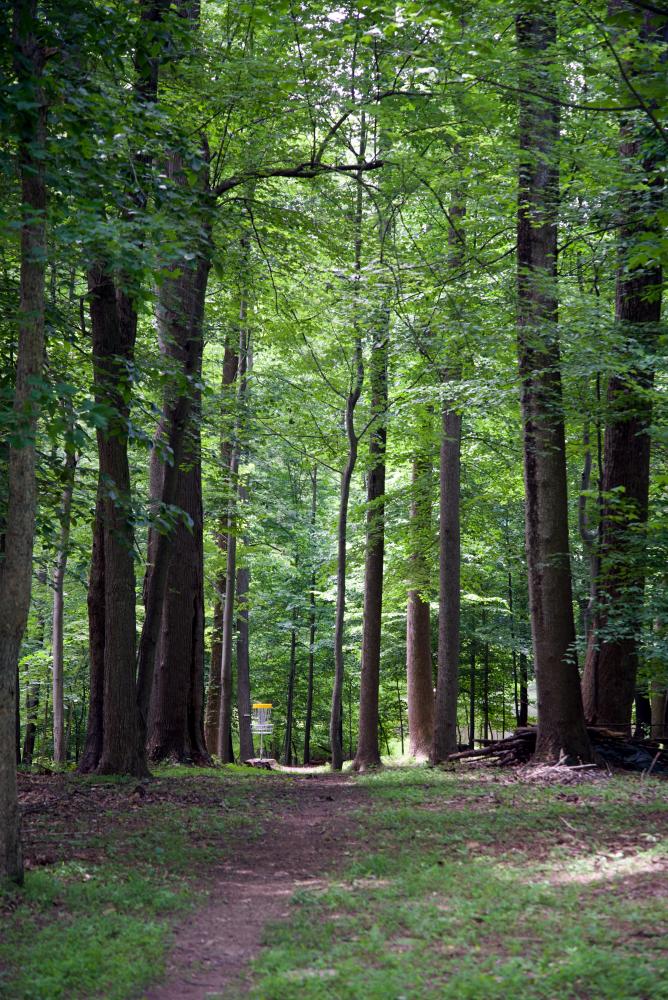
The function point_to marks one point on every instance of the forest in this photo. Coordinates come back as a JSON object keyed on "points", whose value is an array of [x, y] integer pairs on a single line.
{"points": [[333, 379]]}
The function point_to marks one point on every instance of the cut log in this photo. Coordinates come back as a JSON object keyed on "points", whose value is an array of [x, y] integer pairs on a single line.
{"points": [[611, 748]]}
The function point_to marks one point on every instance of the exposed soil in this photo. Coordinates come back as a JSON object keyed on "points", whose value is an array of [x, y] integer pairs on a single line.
{"points": [[304, 819], [305, 838]]}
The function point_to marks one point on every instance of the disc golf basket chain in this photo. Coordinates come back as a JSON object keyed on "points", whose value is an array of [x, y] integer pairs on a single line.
{"points": [[261, 723]]}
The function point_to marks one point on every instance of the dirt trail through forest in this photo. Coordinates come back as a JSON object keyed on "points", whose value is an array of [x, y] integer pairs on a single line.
{"points": [[303, 837]]}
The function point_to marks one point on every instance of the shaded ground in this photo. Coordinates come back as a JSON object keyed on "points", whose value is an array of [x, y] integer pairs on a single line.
{"points": [[304, 837], [409, 883]]}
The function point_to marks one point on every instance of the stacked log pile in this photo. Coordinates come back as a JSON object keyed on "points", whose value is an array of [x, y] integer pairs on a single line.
{"points": [[612, 749]]}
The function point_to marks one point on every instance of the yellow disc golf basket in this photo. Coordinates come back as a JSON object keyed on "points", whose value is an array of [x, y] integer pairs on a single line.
{"points": [[261, 723]]}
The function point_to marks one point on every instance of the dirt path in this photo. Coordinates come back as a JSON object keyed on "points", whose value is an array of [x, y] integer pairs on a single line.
{"points": [[253, 886]]}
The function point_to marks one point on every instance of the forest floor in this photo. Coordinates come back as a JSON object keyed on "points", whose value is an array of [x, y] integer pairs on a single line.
{"points": [[475, 884]]}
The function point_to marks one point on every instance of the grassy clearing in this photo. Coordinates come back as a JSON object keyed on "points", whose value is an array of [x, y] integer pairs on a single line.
{"points": [[456, 885], [99, 924], [466, 887]]}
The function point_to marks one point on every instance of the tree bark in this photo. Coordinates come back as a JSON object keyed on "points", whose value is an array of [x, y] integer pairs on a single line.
{"points": [[447, 685], [96, 643], [114, 330], [289, 711], [368, 751], [609, 679], [354, 392], [230, 367], [59, 742], [175, 719], [16, 566], [472, 695], [658, 711], [226, 675], [113, 324], [312, 625], [561, 728], [336, 713], [32, 706], [523, 719], [246, 749], [419, 667], [173, 632]]}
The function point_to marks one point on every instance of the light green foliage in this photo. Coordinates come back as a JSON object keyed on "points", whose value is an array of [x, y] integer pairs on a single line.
{"points": [[270, 87]]}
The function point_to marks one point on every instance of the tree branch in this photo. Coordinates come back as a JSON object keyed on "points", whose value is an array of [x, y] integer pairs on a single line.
{"points": [[302, 170]]}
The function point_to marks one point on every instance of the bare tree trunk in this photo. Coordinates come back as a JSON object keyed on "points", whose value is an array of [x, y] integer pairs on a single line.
{"points": [[113, 323], [246, 749], [643, 726], [561, 728], [658, 711], [16, 566], [226, 676], [336, 713], [485, 691], [289, 711], [96, 643], [114, 331], [59, 742], [511, 611], [368, 751], [419, 668], [447, 686], [401, 717], [32, 706], [357, 377], [610, 669], [524, 691], [172, 640], [472, 695], [230, 366], [312, 626]]}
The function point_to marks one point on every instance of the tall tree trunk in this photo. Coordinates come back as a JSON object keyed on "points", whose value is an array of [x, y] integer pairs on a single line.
{"points": [[609, 680], [485, 691], [16, 566], [114, 331], [172, 639], [336, 713], [96, 643], [511, 611], [246, 749], [355, 389], [472, 695], [523, 719], [226, 675], [289, 711], [175, 719], [449, 560], [368, 751], [113, 323], [658, 711], [59, 742], [32, 707], [312, 625], [419, 668], [230, 367], [561, 727]]}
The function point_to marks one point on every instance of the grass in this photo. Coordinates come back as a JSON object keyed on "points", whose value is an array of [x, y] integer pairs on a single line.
{"points": [[463, 887], [101, 926], [454, 885]]}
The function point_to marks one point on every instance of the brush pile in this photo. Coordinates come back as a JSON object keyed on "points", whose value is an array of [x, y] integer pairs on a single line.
{"points": [[611, 749]]}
